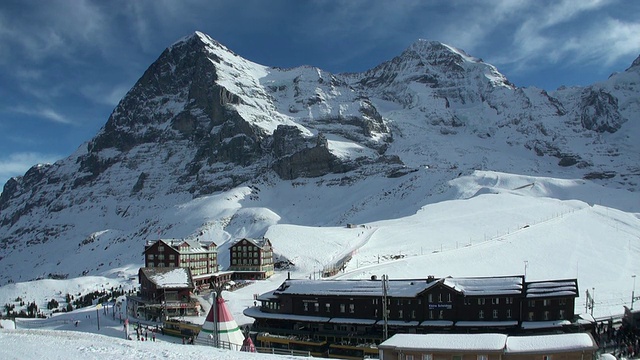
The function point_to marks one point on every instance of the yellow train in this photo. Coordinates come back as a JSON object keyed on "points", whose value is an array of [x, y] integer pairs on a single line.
{"points": [[180, 328]]}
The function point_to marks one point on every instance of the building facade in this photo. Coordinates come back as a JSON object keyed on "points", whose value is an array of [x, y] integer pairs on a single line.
{"points": [[352, 311], [164, 292], [490, 346], [200, 258], [251, 259]]}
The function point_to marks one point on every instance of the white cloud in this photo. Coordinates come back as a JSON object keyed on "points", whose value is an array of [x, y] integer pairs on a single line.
{"points": [[572, 32], [18, 163], [44, 113], [105, 94]]}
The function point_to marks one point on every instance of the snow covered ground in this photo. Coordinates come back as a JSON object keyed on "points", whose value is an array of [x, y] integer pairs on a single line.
{"points": [[492, 224]]}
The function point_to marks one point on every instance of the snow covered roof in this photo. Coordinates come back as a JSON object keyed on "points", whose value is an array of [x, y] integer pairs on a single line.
{"points": [[194, 246], [492, 342], [550, 343], [255, 312], [505, 285], [437, 323], [487, 286], [396, 288], [486, 323], [551, 288], [261, 242], [169, 278], [544, 324], [446, 342]]}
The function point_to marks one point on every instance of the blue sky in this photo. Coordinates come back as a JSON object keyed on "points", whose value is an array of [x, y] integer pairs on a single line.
{"points": [[65, 64]]}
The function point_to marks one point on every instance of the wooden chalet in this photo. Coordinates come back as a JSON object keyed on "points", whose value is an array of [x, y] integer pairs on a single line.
{"points": [[200, 258], [490, 346], [164, 292], [351, 312], [251, 259]]}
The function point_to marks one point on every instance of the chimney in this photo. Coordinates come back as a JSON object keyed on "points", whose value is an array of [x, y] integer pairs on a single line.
{"points": [[430, 278]]}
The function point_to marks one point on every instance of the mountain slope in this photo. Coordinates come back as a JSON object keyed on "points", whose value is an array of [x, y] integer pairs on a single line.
{"points": [[208, 144]]}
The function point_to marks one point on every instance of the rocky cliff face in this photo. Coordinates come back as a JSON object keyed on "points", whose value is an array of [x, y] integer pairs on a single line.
{"points": [[202, 120]]}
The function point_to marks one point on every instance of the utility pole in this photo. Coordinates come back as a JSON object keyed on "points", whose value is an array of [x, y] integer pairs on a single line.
{"points": [[590, 302], [633, 292], [98, 307], [385, 315]]}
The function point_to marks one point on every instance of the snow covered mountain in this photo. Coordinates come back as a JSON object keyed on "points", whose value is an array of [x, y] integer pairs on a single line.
{"points": [[210, 145]]}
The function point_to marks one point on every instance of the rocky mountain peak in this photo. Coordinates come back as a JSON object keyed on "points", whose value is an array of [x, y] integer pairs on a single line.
{"points": [[202, 120], [635, 64], [435, 53]]}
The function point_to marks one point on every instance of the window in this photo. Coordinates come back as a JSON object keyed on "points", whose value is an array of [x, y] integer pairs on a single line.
{"points": [[172, 256], [400, 313], [532, 303], [509, 300], [546, 302], [352, 308], [481, 301], [408, 357], [306, 306], [160, 248], [150, 256], [327, 307], [449, 297], [495, 301], [530, 315], [440, 297], [562, 302], [481, 314], [430, 314], [495, 314], [467, 301], [343, 308], [161, 257], [316, 307], [430, 298], [441, 315], [482, 357], [508, 313], [413, 314], [546, 315], [562, 313], [427, 356], [546, 357]]}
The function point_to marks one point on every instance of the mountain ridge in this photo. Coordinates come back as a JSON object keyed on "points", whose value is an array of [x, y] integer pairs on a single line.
{"points": [[202, 122]]}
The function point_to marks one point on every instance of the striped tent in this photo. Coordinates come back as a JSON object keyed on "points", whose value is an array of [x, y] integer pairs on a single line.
{"points": [[229, 335]]}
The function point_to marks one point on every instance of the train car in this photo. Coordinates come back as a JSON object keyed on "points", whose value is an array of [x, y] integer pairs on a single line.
{"points": [[291, 344], [354, 352], [180, 328]]}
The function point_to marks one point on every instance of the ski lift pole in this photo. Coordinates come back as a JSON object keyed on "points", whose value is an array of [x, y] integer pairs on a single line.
{"points": [[98, 307]]}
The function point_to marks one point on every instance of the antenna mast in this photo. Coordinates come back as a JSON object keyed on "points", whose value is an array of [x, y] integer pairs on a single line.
{"points": [[385, 313]]}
